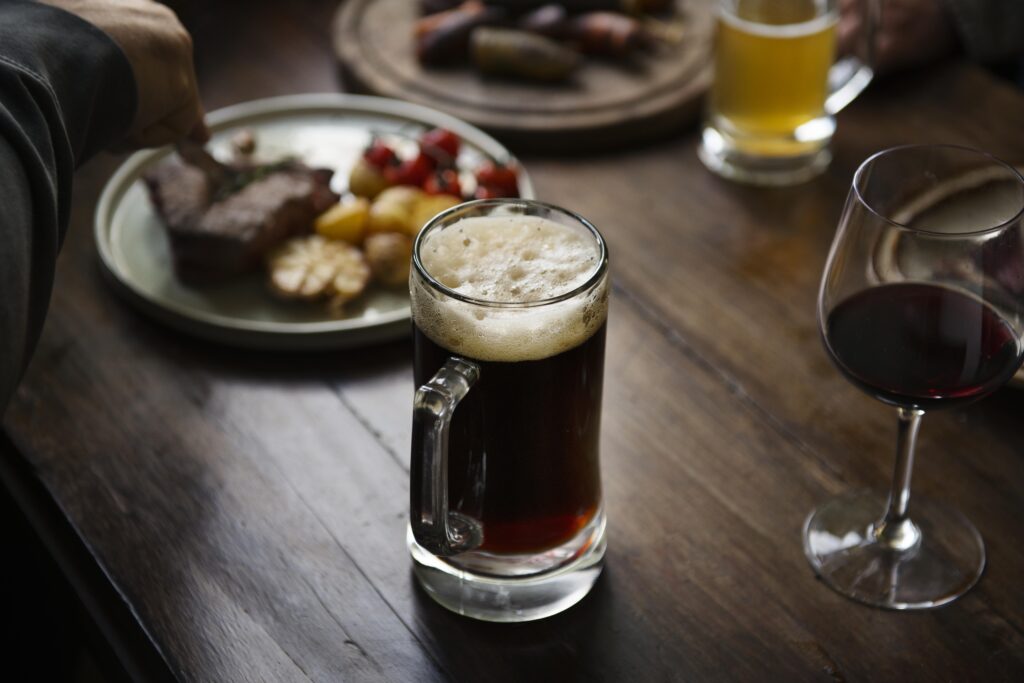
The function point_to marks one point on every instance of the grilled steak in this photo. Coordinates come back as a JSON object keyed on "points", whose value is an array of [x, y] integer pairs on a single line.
{"points": [[218, 230]]}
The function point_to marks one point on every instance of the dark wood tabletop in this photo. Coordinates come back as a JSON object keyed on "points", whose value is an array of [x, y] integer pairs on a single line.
{"points": [[241, 516]]}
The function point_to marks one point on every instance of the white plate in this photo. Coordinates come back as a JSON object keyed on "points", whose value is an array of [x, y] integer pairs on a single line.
{"points": [[324, 130]]}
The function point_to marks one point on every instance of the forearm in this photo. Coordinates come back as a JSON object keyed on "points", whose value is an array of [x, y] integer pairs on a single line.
{"points": [[19, 281], [66, 91], [990, 30]]}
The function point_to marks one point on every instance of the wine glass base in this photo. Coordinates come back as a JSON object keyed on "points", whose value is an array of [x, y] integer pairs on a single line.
{"points": [[839, 544]]}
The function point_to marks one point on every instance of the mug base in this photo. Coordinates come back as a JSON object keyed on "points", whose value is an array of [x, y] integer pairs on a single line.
{"points": [[724, 156], [490, 597]]}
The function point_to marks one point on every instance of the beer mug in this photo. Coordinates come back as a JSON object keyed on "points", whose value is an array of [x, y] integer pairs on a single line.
{"points": [[770, 112], [509, 302]]}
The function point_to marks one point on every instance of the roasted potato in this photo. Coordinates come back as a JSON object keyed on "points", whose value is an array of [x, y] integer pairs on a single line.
{"points": [[390, 257], [345, 221]]}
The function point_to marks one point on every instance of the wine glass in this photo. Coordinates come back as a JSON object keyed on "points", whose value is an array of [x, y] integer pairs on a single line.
{"points": [[922, 307]]}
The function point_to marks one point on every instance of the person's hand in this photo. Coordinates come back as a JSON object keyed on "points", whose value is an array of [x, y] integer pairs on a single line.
{"points": [[160, 52], [911, 32]]}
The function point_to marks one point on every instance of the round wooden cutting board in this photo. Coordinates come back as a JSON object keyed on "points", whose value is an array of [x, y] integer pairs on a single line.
{"points": [[606, 105]]}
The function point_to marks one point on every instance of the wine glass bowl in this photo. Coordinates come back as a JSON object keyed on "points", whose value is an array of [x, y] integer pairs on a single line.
{"points": [[921, 306]]}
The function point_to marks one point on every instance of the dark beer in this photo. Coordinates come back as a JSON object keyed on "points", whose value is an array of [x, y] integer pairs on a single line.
{"points": [[523, 445], [525, 299]]}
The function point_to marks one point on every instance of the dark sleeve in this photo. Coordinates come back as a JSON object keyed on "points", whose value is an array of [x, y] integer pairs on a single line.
{"points": [[66, 91]]}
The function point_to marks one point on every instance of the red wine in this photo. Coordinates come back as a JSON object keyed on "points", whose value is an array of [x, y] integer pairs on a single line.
{"points": [[920, 345]]}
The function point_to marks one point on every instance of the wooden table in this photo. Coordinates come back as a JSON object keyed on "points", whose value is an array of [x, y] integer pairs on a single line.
{"points": [[243, 514]]}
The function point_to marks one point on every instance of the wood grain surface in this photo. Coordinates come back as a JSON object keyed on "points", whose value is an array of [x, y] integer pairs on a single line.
{"points": [[607, 104], [251, 508]]}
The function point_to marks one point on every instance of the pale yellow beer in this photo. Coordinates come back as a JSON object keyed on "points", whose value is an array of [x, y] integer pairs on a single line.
{"points": [[769, 78], [770, 111]]}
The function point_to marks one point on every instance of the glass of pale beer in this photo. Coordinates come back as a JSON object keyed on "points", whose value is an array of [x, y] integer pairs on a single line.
{"points": [[509, 302], [770, 112]]}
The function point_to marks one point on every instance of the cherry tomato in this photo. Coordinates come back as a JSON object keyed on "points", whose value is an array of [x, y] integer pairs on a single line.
{"points": [[410, 172], [489, 192], [498, 177], [443, 182], [441, 139], [379, 155]]}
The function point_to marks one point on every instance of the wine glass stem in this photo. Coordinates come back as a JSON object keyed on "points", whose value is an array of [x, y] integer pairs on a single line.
{"points": [[896, 529]]}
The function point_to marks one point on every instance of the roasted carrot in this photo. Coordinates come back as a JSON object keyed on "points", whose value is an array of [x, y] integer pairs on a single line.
{"points": [[607, 33], [443, 38]]}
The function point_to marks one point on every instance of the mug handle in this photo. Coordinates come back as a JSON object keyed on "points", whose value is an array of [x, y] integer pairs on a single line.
{"points": [[849, 76], [436, 528]]}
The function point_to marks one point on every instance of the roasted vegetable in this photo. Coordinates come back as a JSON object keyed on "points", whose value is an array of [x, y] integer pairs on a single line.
{"points": [[390, 256], [366, 180], [442, 144], [443, 38], [607, 33], [313, 267], [411, 171], [379, 154], [368, 176], [393, 210], [576, 6], [549, 20], [427, 207], [507, 52], [346, 221], [496, 180], [444, 181]]}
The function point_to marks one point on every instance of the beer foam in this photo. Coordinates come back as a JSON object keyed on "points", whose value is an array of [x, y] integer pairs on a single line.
{"points": [[765, 27], [512, 260]]}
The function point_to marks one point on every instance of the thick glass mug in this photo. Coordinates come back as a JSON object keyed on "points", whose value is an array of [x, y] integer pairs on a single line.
{"points": [[770, 112], [509, 301]]}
